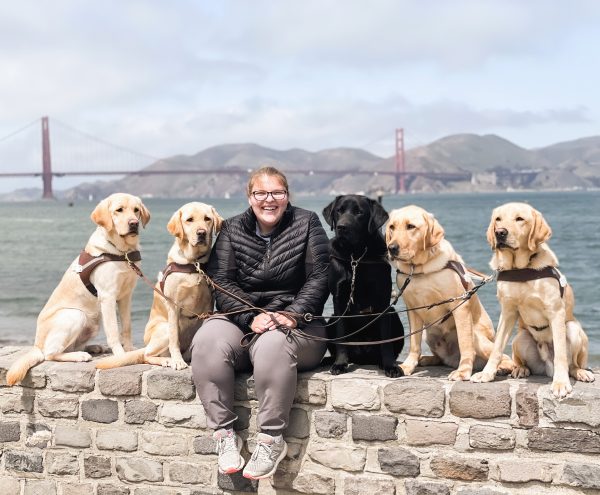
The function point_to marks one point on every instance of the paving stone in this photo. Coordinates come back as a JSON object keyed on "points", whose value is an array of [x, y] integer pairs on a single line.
{"points": [[185, 415], [140, 411], [580, 406], [459, 468], [581, 475], [522, 470], [10, 486], [374, 427], [398, 462], [159, 443], [10, 431], [191, 473], [528, 409], [354, 394], [299, 425], [138, 469], [116, 440], [346, 457], [100, 410], [58, 407], [421, 487], [480, 400], [72, 437], [123, 381], [430, 432], [97, 466], [72, 377], [169, 384], [39, 487], [111, 489], [362, 486], [415, 397], [27, 462], [492, 437], [62, 463], [330, 424], [75, 488], [564, 440]]}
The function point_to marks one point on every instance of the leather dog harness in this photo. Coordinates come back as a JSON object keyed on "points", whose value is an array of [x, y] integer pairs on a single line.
{"points": [[178, 268], [455, 266], [88, 263], [527, 274]]}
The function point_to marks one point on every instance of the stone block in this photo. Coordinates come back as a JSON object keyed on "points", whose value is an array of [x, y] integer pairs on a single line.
{"points": [[330, 424], [311, 479], [204, 444], [339, 456], [39, 487], [10, 486], [415, 397], [353, 394], [243, 418], [35, 378], [299, 425], [111, 489], [581, 475], [191, 473], [423, 433], [38, 435], [528, 409], [522, 470], [398, 462], [170, 384], [100, 410], [311, 391], [158, 490], [159, 443], [422, 487], [58, 407], [17, 404], [76, 488], [122, 381], [564, 440], [116, 440], [10, 431], [62, 463], [374, 427], [72, 437], [580, 406], [459, 468], [139, 411], [236, 482], [480, 400], [244, 387], [185, 415], [72, 377], [138, 469], [481, 490], [492, 437], [97, 466], [363, 485], [27, 462]]}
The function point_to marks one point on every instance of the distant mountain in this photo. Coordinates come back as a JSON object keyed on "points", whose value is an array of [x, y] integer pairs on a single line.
{"points": [[487, 163]]}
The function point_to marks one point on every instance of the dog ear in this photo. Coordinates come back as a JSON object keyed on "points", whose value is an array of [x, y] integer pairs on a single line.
{"points": [[378, 216], [329, 213], [491, 231], [144, 214], [218, 219], [101, 215], [435, 232], [174, 226], [540, 231]]}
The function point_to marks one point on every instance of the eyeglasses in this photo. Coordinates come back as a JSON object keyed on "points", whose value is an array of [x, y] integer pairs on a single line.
{"points": [[263, 195]]}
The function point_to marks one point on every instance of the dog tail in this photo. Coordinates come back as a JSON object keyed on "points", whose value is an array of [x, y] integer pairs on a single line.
{"points": [[127, 359], [21, 366]]}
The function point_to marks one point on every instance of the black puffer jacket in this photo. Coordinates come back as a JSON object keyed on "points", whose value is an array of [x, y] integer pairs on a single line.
{"points": [[288, 274]]}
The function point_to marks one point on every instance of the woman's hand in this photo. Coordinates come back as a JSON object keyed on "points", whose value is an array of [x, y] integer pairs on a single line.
{"points": [[264, 322]]}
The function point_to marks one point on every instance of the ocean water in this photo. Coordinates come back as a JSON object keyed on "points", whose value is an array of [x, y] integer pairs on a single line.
{"points": [[39, 240]]}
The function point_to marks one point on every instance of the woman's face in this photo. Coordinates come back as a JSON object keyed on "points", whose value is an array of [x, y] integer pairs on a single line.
{"points": [[270, 210]]}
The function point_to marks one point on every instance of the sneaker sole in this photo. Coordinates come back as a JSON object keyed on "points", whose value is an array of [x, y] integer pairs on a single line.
{"points": [[272, 471], [233, 470]]}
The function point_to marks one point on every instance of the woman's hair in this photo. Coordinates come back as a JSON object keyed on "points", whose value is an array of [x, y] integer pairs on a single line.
{"points": [[271, 171]]}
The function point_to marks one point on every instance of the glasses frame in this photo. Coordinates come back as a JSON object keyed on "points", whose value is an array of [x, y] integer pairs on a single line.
{"points": [[272, 193]]}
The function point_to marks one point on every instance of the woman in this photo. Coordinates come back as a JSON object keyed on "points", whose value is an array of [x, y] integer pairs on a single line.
{"points": [[274, 256]]}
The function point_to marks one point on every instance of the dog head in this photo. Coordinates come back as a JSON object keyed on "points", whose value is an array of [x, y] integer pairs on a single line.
{"points": [[410, 232], [121, 213], [194, 225], [515, 226], [353, 217]]}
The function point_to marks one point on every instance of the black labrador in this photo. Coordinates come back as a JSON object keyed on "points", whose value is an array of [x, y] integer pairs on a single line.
{"points": [[358, 241]]}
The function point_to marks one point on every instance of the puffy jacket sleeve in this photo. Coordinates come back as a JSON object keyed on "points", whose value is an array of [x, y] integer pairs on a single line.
{"points": [[315, 291], [222, 269]]}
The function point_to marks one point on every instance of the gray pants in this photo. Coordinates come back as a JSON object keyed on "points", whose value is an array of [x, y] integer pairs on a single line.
{"points": [[275, 359]]}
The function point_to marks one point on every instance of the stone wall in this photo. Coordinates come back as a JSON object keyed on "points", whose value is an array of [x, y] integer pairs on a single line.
{"points": [[140, 430]]}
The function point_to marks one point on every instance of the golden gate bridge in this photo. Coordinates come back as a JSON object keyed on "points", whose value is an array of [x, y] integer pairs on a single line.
{"points": [[89, 162]]}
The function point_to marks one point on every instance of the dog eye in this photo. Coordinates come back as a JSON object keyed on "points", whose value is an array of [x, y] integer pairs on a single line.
{"points": [[191, 219], [498, 219], [410, 226], [520, 219], [120, 210], [207, 219], [136, 209], [391, 227]]}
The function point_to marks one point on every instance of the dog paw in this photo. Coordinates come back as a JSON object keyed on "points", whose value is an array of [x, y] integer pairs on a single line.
{"points": [[520, 372], [128, 347], [482, 377], [561, 388], [394, 371], [584, 375], [407, 369], [506, 366], [459, 375], [177, 363], [80, 356], [338, 369]]}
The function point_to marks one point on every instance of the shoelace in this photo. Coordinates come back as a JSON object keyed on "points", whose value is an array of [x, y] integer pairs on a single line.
{"points": [[263, 450], [226, 444]]}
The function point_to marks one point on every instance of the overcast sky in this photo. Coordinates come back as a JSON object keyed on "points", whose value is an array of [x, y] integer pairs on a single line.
{"points": [[175, 77]]}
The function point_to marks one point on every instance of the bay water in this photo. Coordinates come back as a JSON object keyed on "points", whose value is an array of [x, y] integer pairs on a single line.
{"points": [[38, 241]]}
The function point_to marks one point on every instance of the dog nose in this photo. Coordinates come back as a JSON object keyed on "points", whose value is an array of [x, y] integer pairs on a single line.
{"points": [[201, 232], [134, 223], [501, 234], [393, 249]]}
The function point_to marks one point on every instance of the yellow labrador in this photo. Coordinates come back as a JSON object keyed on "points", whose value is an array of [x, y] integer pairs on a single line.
{"points": [[550, 340], [462, 339], [71, 317], [172, 323]]}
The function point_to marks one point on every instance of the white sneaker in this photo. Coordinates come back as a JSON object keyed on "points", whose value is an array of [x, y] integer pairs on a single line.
{"points": [[228, 447], [266, 457]]}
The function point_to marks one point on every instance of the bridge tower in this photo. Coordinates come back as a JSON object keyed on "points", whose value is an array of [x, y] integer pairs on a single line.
{"points": [[46, 160], [400, 166]]}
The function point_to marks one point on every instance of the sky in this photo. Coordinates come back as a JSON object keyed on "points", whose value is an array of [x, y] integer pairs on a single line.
{"points": [[168, 78]]}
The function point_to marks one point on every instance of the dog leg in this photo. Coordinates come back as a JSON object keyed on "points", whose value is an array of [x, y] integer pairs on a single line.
{"points": [[578, 344], [561, 385], [75, 357], [508, 318], [176, 359], [524, 351], [108, 308], [388, 358], [416, 337], [125, 314], [464, 330]]}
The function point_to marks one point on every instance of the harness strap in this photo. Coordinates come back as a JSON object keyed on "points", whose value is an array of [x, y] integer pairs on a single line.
{"points": [[528, 274], [178, 268], [88, 263], [459, 268]]}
